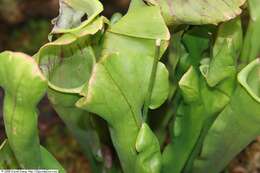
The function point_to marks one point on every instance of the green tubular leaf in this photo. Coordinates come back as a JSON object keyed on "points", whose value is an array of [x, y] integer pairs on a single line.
{"points": [[72, 12], [22, 94], [184, 137], [251, 48], [201, 102], [116, 92], [67, 63], [220, 74], [241, 114], [193, 115], [147, 147], [22, 130], [119, 82], [197, 12], [69, 57]]}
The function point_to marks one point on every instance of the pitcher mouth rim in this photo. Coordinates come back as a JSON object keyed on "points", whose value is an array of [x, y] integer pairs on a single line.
{"points": [[243, 76]]}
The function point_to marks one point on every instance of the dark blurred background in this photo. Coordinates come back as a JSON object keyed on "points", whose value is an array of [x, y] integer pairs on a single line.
{"points": [[24, 26]]}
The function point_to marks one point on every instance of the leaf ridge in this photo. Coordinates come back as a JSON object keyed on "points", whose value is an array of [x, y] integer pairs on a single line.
{"points": [[124, 96]]}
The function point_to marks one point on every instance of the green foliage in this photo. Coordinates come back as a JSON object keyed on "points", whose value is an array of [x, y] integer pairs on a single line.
{"points": [[205, 95], [198, 12], [241, 114], [24, 86]]}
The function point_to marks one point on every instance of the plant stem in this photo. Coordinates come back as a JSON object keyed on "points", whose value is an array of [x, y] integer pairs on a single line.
{"points": [[152, 79]]}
